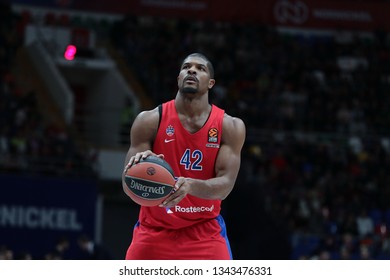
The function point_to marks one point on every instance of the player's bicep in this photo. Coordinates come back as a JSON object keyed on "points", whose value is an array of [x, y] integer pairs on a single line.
{"points": [[229, 157], [228, 163], [143, 131]]}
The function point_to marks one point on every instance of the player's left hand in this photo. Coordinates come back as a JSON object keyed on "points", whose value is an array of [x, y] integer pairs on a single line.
{"points": [[178, 193]]}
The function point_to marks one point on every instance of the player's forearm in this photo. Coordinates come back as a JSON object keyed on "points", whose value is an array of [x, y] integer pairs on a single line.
{"points": [[215, 188]]}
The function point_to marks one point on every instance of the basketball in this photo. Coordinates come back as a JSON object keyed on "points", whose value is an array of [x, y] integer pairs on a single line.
{"points": [[150, 181]]}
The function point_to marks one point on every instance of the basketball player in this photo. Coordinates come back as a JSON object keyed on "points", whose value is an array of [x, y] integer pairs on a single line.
{"points": [[203, 145]]}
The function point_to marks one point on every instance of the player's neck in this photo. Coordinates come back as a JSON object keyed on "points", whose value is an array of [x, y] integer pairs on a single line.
{"points": [[192, 105]]}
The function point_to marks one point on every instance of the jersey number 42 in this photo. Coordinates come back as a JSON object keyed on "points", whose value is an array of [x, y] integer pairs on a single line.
{"points": [[192, 160]]}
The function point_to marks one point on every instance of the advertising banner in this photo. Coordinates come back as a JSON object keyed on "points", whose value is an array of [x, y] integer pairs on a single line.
{"points": [[352, 15], [342, 14], [36, 212]]}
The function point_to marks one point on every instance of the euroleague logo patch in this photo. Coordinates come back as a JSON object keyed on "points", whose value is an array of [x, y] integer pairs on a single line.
{"points": [[212, 141], [213, 135]]}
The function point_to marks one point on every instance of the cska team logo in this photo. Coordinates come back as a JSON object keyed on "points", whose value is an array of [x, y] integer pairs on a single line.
{"points": [[170, 130]]}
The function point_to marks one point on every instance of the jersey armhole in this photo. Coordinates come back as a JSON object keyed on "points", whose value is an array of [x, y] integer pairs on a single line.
{"points": [[159, 120], [159, 115]]}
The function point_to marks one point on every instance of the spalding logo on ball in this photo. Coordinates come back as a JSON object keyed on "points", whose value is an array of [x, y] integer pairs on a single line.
{"points": [[150, 181]]}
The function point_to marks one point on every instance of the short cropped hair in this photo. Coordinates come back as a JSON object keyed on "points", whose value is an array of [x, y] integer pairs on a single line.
{"points": [[208, 62]]}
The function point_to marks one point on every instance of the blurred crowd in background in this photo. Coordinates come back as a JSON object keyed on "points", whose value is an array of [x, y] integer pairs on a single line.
{"points": [[29, 141], [63, 249], [314, 180]]}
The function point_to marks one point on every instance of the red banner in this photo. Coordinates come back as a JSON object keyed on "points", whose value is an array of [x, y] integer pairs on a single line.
{"points": [[340, 14]]}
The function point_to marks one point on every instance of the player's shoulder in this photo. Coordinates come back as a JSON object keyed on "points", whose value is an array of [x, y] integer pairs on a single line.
{"points": [[233, 123], [234, 130], [148, 116]]}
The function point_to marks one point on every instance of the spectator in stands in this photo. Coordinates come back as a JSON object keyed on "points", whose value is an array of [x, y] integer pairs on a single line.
{"points": [[92, 250]]}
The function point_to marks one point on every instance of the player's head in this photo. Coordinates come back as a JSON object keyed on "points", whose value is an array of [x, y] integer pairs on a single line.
{"points": [[196, 74]]}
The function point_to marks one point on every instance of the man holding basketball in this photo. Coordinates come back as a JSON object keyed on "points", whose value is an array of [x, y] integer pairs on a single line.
{"points": [[203, 146]]}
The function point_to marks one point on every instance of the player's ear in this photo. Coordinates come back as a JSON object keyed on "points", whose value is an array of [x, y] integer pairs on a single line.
{"points": [[211, 83]]}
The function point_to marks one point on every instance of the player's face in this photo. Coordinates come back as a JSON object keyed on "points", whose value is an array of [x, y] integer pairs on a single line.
{"points": [[194, 76]]}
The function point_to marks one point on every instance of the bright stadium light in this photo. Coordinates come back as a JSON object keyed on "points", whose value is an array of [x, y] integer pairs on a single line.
{"points": [[70, 52]]}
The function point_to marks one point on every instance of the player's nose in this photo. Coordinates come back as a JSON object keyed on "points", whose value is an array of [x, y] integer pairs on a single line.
{"points": [[192, 70]]}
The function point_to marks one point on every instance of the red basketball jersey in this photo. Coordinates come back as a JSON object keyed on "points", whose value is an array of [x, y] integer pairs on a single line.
{"points": [[190, 155]]}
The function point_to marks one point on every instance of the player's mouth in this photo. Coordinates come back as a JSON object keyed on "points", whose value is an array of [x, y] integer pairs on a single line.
{"points": [[190, 80]]}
